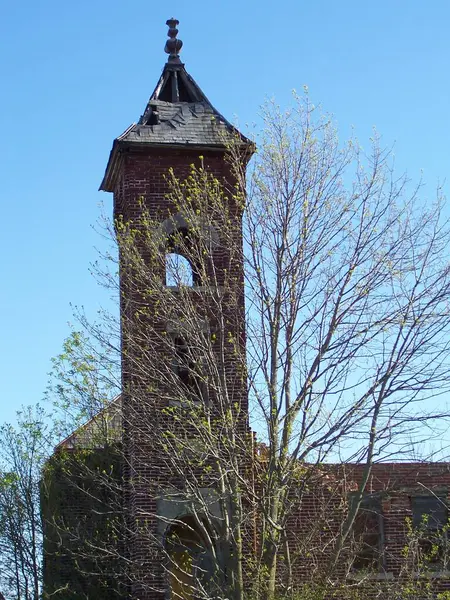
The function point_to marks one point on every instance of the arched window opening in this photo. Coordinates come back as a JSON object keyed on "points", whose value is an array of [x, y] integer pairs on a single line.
{"points": [[191, 566], [179, 269]]}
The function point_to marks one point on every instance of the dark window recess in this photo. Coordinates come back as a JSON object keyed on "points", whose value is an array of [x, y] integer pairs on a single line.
{"points": [[183, 91], [185, 368], [368, 534], [430, 518], [429, 512], [166, 91], [153, 117]]}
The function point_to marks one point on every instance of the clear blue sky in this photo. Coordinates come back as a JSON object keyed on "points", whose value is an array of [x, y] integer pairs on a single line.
{"points": [[74, 75]]}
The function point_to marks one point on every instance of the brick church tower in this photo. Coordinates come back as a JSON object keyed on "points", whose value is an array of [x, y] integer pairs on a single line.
{"points": [[179, 129], [145, 500]]}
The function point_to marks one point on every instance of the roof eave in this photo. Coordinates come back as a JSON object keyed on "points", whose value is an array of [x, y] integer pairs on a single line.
{"points": [[112, 168], [108, 183]]}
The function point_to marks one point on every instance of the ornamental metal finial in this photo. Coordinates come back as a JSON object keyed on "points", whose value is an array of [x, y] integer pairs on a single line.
{"points": [[173, 45]]}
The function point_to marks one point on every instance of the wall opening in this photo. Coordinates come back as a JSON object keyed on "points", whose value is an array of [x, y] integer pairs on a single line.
{"points": [[185, 367], [191, 567], [179, 270], [180, 260]]}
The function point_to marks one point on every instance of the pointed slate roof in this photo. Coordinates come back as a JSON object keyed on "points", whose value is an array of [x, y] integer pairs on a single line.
{"points": [[177, 114]]}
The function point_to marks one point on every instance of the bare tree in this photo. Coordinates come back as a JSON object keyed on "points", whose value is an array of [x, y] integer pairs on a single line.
{"points": [[348, 317], [345, 347]]}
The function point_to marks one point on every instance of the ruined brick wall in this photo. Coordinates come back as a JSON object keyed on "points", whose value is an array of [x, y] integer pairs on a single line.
{"points": [[398, 483], [321, 508], [82, 519]]}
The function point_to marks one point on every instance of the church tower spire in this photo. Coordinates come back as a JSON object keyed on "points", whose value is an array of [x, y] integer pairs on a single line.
{"points": [[178, 113]]}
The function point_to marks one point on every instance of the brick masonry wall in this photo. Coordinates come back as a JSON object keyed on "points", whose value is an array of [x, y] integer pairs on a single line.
{"points": [[143, 177], [81, 512], [321, 508]]}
